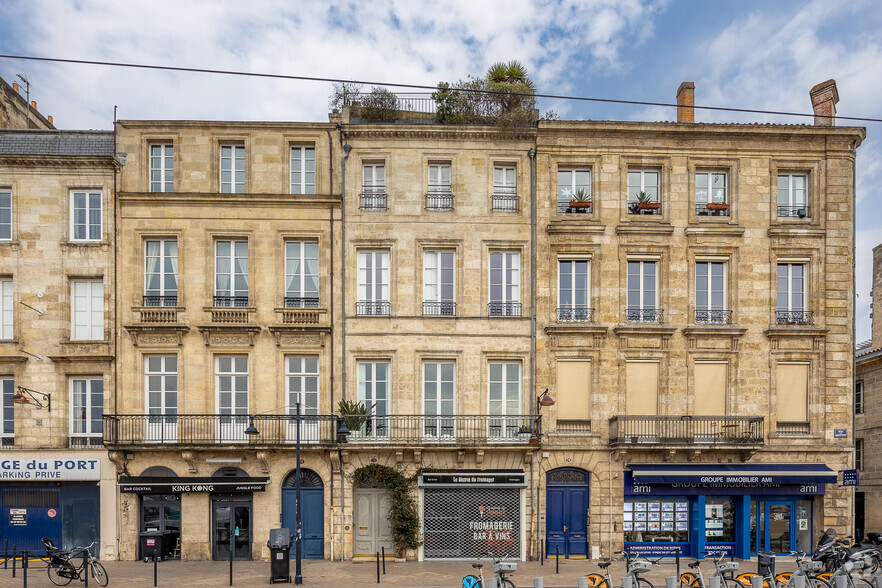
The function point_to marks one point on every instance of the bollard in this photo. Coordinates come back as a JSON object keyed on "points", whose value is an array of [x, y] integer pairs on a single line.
{"points": [[714, 582], [383, 548], [840, 581], [798, 581], [154, 567], [582, 582], [627, 582], [757, 582], [542, 552], [671, 582], [232, 549], [539, 582], [678, 563], [378, 567], [86, 571], [24, 568], [6, 554], [557, 559], [13, 560]]}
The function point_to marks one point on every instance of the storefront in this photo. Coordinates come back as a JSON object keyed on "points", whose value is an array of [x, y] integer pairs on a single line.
{"points": [[738, 509], [469, 513]]}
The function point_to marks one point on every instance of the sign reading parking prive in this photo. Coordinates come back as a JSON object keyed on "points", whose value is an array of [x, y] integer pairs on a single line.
{"points": [[50, 469]]}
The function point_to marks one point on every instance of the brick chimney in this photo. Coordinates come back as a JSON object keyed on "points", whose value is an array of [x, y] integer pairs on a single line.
{"points": [[15, 86], [685, 103], [876, 298], [824, 98]]}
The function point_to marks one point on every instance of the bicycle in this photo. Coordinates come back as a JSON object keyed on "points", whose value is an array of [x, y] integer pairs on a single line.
{"points": [[806, 568], [847, 568], [635, 568], [500, 569], [61, 570], [722, 570]]}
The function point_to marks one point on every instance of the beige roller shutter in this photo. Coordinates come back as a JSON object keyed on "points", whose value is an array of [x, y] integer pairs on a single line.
{"points": [[574, 390], [642, 388], [791, 382], [710, 388]]}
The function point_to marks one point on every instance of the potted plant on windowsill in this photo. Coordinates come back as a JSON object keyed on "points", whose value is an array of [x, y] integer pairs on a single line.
{"points": [[717, 206], [645, 202], [581, 201], [524, 432]]}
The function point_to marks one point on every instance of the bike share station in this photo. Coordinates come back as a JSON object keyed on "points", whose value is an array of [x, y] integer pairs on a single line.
{"points": [[738, 509]]}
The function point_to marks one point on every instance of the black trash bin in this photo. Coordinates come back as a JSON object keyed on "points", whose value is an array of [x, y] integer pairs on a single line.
{"points": [[280, 541], [765, 564], [150, 541]]}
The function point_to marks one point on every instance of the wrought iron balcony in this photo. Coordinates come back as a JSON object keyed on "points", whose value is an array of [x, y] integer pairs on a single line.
{"points": [[372, 200], [665, 431], [645, 315], [497, 309], [295, 302], [439, 200], [439, 308], [505, 202], [575, 314], [373, 308], [152, 301], [794, 317], [713, 317], [85, 441], [712, 209], [798, 211], [231, 302], [443, 429], [792, 429]]}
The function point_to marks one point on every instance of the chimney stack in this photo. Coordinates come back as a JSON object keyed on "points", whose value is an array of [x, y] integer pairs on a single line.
{"points": [[824, 98], [34, 104], [50, 119], [15, 87], [685, 103]]}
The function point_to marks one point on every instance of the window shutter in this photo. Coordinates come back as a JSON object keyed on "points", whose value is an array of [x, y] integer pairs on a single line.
{"points": [[642, 388], [574, 390], [710, 389], [792, 386]]}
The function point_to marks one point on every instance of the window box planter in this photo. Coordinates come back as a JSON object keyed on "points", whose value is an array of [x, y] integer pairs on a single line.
{"points": [[648, 205], [717, 206], [580, 204]]}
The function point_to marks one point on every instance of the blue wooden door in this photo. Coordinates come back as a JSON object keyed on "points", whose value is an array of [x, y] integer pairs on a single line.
{"points": [[566, 521], [312, 515], [577, 527], [555, 508]]}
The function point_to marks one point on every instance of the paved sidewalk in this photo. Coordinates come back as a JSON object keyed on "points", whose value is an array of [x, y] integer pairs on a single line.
{"points": [[213, 574]]}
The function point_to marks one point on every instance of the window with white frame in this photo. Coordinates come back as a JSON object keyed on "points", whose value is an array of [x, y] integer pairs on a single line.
{"points": [[439, 394], [711, 193], [573, 184], [86, 411], [643, 292], [504, 399], [439, 178], [232, 169], [85, 218], [439, 283], [505, 180], [231, 388], [161, 272], [373, 282], [302, 170], [6, 313], [302, 383], [5, 215], [374, 178], [859, 397], [373, 393], [643, 190], [505, 283], [710, 293], [301, 274], [162, 167], [792, 195], [161, 389], [574, 290], [791, 295], [231, 274], [7, 412], [87, 310]]}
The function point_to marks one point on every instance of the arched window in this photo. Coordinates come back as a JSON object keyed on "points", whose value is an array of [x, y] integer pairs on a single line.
{"points": [[230, 473], [568, 476], [308, 479], [159, 472]]}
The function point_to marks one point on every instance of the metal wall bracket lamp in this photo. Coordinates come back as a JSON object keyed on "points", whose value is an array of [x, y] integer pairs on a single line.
{"points": [[27, 396]]}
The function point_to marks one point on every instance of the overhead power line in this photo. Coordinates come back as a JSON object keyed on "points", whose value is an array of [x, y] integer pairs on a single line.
{"points": [[414, 86]]}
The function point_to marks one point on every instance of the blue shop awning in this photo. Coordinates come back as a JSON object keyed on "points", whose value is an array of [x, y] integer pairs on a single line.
{"points": [[768, 473]]}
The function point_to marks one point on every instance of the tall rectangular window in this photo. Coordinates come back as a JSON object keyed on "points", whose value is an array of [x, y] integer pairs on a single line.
{"points": [[573, 396], [87, 411], [505, 180], [505, 283], [161, 272], [573, 184], [439, 394], [792, 195], [439, 178], [710, 293], [859, 397], [791, 296], [87, 312], [643, 192], [791, 382], [859, 454], [6, 312], [301, 274], [231, 388], [231, 274], [162, 167], [374, 178], [373, 283], [232, 169], [85, 218], [439, 286], [303, 170], [573, 291], [504, 399], [5, 215], [302, 383], [643, 292], [7, 412], [641, 387], [161, 386], [711, 189], [373, 393]]}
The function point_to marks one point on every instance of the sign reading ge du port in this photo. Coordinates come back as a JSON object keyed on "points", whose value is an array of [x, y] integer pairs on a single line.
{"points": [[50, 469]]}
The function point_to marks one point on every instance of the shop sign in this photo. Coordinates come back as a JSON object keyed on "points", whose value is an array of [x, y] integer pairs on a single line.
{"points": [[472, 479], [721, 548], [654, 549], [151, 485], [23, 470], [719, 489], [18, 517], [850, 478]]}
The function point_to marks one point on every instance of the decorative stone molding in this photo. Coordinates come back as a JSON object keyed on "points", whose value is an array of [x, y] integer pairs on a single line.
{"points": [[643, 337], [705, 337], [231, 336], [118, 459], [714, 231], [288, 336], [577, 335], [158, 335], [778, 334], [263, 460], [190, 457]]}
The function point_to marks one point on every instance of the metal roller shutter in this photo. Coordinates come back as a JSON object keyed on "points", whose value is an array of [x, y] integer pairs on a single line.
{"points": [[465, 523]]}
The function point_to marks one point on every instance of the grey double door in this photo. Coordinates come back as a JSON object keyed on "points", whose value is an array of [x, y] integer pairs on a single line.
{"points": [[372, 529]]}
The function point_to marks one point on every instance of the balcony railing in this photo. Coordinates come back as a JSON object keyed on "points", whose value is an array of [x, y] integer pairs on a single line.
{"points": [[372, 201], [798, 211], [439, 201], [792, 429], [373, 308], [155, 430], [295, 302], [86, 441], [685, 430], [505, 202], [645, 315], [158, 314], [573, 427], [152, 301], [711, 209], [575, 314], [439, 308], [713, 317], [231, 302], [794, 317], [7, 441], [496, 309]]}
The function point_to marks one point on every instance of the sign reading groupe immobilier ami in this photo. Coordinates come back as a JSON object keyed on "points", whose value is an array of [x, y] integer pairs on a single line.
{"points": [[62, 468]]}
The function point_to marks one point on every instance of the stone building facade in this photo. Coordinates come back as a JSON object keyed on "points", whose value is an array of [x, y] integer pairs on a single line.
{"points": [[573, 336], [57, 274], [16, 113]]}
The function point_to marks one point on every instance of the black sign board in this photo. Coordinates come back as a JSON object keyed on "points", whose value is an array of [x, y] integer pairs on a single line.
{"points": [[156, 485], [18, 517], [464, 479]]}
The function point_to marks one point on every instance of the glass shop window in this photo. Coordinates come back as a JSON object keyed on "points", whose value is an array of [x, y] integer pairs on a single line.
{"points": [[656, 520], [719, 521]]}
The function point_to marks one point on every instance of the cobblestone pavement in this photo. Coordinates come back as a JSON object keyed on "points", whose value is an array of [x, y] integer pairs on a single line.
{"points": [[213, 574]]}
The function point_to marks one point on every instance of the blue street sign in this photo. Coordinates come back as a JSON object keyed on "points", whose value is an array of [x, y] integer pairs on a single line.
{"points": [[850, 478], [840, 433]]}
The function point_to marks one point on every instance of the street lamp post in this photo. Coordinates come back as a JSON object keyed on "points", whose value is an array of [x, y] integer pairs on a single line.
{"points": [[298, 538]]}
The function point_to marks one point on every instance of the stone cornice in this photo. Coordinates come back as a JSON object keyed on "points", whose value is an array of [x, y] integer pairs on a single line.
{"points": [[796, 231], [214, 199], [712, 331], [80, 358], [644, 330], [714, 231], [644, 229], [67, 162], [576, 330], [436, 131], [563, 228]]}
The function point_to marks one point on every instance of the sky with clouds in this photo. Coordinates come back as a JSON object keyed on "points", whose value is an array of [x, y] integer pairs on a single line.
{"points": [[747, 54]]}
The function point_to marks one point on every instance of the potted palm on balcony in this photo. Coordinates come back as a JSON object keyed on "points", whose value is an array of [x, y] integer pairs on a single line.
{"points": [[581, 201], [645, 202], [355, 415]]}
